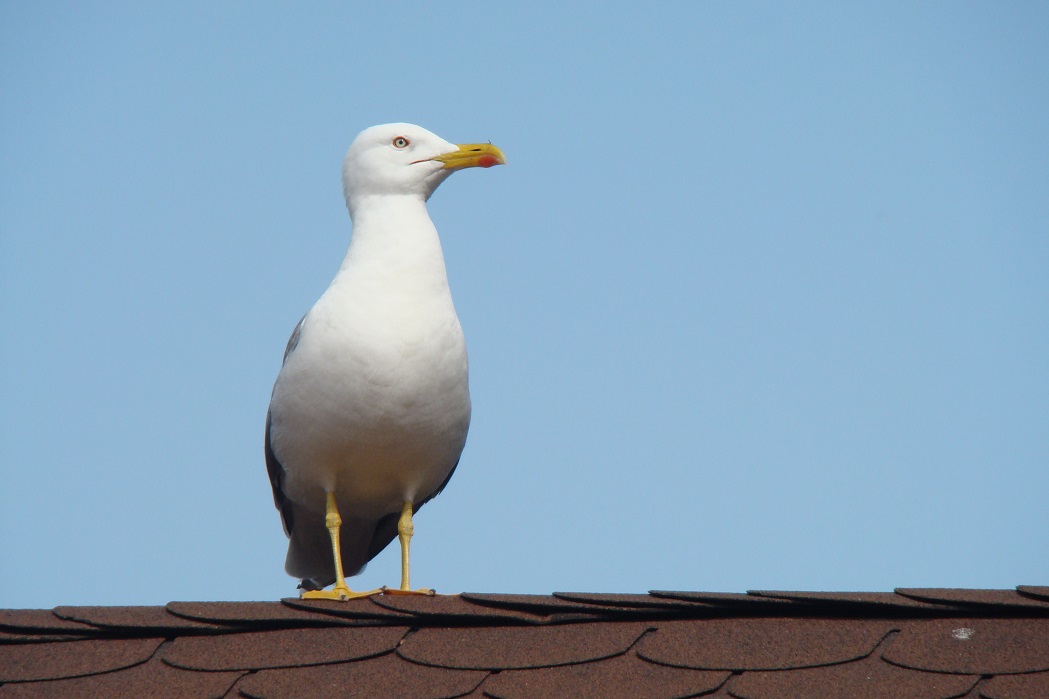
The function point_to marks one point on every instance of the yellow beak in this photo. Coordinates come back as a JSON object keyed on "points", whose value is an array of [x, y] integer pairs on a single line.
{"points": [[472, 155]]}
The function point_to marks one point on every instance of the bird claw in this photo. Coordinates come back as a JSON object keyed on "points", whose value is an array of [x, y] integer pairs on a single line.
{"points": [[398, 591], [339, 593]]}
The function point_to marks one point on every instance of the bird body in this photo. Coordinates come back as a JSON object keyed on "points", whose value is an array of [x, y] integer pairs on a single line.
{"points": [[380, 377], [372, 404]]}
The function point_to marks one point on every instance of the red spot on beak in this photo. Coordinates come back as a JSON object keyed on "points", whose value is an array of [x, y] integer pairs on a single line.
{"points": [[487, 161]]}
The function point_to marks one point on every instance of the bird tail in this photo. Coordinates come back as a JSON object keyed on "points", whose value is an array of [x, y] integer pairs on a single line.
{"points": [[309, 549]]}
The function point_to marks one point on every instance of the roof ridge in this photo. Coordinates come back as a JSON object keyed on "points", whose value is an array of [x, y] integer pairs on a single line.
{"points": [[930, 642], [488, 609]]}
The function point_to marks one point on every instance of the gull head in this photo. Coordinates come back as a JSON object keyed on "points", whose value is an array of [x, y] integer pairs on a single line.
{"points": [[405, 159]]}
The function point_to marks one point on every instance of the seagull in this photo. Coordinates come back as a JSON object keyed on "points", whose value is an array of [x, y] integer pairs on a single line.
{"points": [[370, 410]]}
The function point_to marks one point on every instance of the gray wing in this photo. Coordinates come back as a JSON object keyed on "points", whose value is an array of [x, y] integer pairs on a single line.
{"points": [[293, 341], [276, 473], [273, 465]]}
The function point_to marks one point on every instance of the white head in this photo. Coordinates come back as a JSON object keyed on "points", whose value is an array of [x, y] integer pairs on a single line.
{"points": [[405, 159]]}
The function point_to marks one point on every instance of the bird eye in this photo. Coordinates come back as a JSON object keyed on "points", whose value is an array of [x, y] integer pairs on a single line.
{"points": [[401, 142]]}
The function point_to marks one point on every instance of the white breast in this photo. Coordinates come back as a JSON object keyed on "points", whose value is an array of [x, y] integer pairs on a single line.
{"points": [[374, 400]]}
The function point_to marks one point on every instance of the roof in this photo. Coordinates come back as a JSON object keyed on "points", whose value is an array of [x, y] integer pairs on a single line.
{"points": [[908, 644]]}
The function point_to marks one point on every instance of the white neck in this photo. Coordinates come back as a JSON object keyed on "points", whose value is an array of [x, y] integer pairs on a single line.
{"points": [[395, 248]]}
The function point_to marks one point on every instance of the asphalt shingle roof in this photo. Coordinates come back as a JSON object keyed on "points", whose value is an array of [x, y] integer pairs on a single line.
{"points": [[910, 644]]}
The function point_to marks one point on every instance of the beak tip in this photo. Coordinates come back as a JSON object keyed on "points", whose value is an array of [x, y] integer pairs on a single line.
{"points": [[472, 155]]}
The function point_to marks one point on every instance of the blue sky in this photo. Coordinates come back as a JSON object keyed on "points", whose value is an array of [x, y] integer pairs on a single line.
{"points": [[760, 301]]}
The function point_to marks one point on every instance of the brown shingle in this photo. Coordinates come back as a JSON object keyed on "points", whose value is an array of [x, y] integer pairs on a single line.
{"points": [[250, 614], [143, 618], [977, 646], [761, 644], [624, 676], [547, 605], [1032, 686], [858, 600], [281, 648], [720, 600], [450, 607], [34, 620], [974, 598], [386, 677], [1040, 592], [504, 648], [609, 599], [862, 679], [36, 637], [362, 610], [150, 680], [52, 661]]}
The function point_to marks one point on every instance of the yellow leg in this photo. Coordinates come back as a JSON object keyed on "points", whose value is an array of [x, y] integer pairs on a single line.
{"points": [[333, 521], [405, 530]]}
